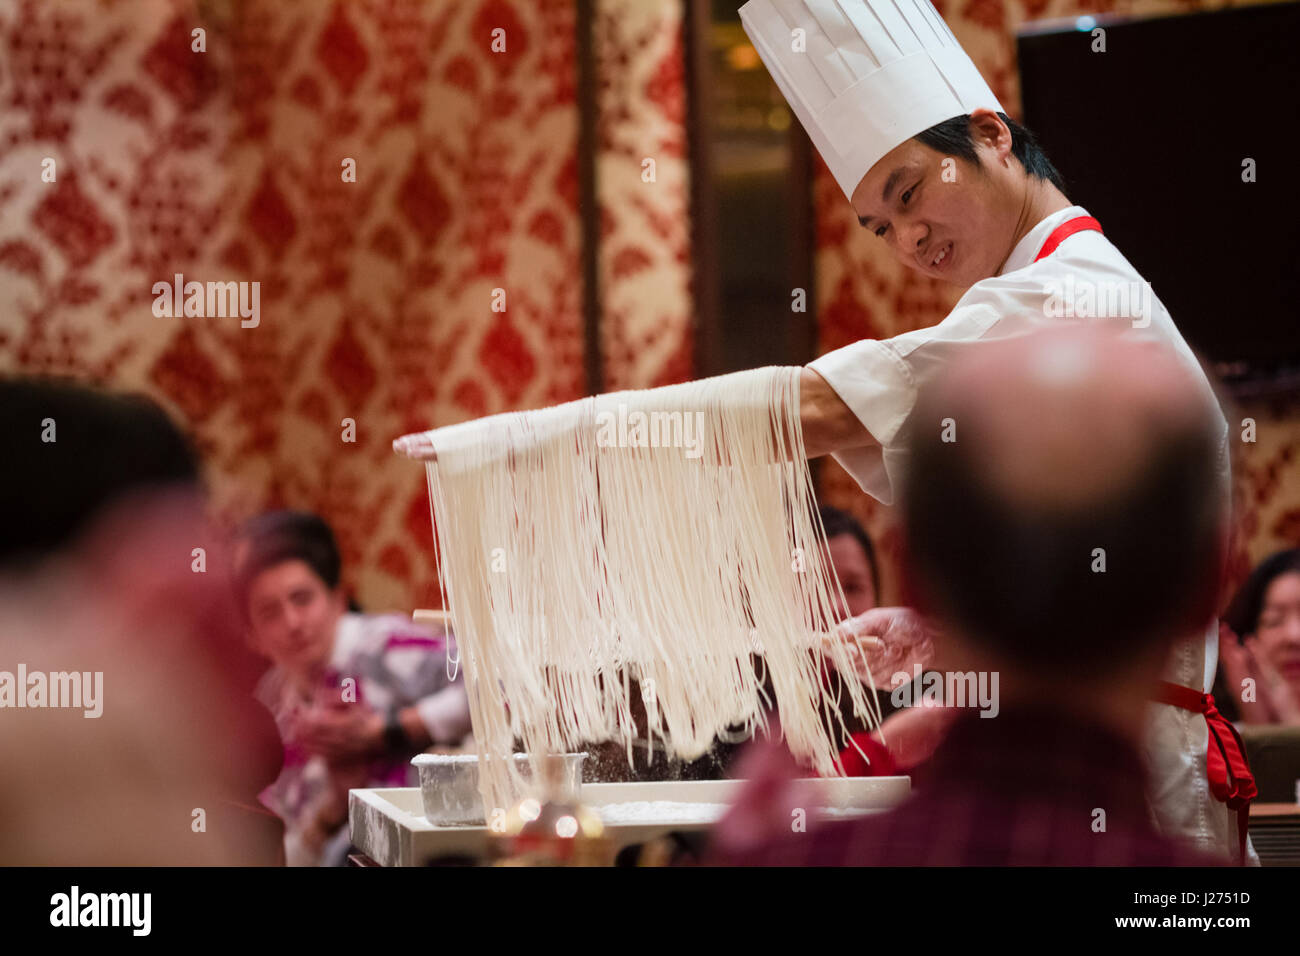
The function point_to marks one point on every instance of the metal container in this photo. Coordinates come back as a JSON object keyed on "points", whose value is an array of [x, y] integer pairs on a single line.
{"points": [[449, 785]]}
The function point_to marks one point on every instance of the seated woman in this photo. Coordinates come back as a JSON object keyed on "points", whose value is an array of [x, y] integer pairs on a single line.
{"points": [[1261, 641], [354, 696]]}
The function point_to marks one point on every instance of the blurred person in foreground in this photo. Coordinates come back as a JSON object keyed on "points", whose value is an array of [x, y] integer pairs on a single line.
{"points": [[1260, 642], [1073, 448], [355, 696], [136, 741]]}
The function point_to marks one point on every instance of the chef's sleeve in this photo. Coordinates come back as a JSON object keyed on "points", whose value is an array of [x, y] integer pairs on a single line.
{"points": [[881, 380]]}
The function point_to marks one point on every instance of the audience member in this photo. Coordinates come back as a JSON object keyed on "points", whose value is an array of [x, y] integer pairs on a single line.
{"points": [[1259, 646], [355, 696]]}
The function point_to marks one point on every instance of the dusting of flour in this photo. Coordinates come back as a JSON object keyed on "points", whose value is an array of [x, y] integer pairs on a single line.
{"points": [[675, 811]]}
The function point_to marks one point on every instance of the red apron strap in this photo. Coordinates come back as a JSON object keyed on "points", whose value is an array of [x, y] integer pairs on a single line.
{"points": [[1064, 231], [1229, 774]]}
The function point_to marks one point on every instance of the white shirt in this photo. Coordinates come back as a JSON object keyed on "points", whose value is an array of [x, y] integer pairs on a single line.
{"points": [[393, 663], [880, 380]]}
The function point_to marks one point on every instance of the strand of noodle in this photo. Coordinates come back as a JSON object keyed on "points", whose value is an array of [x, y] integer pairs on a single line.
{"points": [[451, 671]]}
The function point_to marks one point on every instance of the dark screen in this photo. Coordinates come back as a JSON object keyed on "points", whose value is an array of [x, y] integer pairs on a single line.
{"points": [[1151, 135]]}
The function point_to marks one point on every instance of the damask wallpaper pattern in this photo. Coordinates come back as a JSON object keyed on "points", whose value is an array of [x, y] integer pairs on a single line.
{"points": [[377, 295]]}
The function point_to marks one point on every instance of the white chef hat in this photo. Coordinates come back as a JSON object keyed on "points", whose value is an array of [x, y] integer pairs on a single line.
{"points": [[872, 74]]}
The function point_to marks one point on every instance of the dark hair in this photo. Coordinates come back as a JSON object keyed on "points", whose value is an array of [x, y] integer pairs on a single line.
{"points": [[953, 137], [104, 447], [1019, 578], [279, 536], [837, 522], [1248, 604]]}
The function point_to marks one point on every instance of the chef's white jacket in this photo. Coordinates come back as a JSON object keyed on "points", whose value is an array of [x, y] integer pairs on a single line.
{"points": [[881, 381]]}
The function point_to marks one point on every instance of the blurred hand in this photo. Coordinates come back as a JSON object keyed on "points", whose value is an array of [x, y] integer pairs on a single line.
{"points": [[914, 733], [417, 445], [774, 787], [322, 822], [902, 640], [340, 733]]}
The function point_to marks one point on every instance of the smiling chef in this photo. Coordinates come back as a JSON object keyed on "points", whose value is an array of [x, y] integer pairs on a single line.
{"points": [[937, 172]]}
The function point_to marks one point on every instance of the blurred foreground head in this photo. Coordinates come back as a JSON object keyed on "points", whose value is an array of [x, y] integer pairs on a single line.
{"points": [[76, 451], [1073, 522], [109, 571]]}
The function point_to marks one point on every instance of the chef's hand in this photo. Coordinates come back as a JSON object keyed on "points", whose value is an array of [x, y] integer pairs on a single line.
{"points": [[342, 732], [902, 639], [417, 445]]}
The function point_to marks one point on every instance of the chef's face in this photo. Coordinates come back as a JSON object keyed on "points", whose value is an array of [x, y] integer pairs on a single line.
{"points": [[942, 215], [1278, 630], [293, 615]]}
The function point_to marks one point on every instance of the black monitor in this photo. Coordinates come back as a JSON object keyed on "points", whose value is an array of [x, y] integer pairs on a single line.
{"points": [[1151, 135]]}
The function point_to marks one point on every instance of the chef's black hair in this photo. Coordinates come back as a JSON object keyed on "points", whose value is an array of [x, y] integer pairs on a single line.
{"points": [[953, 138], [837, 522], [1244, 611]]}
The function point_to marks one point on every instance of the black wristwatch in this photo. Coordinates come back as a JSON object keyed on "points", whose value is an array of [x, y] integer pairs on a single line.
{"points": [[394, 733]]}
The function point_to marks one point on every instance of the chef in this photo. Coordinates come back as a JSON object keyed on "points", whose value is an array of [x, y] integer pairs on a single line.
{"points": [[935, 170]]}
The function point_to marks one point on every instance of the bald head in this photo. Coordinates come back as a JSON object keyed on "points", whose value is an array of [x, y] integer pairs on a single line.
{"points": [[1062, 503]]}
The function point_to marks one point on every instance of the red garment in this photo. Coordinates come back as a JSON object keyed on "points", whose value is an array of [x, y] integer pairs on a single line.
{"points": [[1064, 231], [1022, 790], [882, 761]]}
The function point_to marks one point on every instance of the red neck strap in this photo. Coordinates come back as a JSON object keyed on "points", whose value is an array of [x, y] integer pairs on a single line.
{"points": [[1064, 231]]}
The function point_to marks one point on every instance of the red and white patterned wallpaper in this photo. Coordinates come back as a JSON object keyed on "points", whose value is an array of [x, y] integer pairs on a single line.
{"points": [[645, 250], [376, 295]]}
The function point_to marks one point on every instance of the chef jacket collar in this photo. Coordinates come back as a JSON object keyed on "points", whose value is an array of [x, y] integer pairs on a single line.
{"points": [[1027, 248]]}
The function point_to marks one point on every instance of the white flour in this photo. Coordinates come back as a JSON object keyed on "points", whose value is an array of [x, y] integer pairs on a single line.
{"points": [[674, 811]]}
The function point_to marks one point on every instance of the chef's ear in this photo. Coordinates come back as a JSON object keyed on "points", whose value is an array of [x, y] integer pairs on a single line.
{"points": [[988, 130]]}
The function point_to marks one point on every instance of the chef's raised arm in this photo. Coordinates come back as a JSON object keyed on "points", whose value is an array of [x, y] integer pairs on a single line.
{"points": [[856, 402], [829, 424]]}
